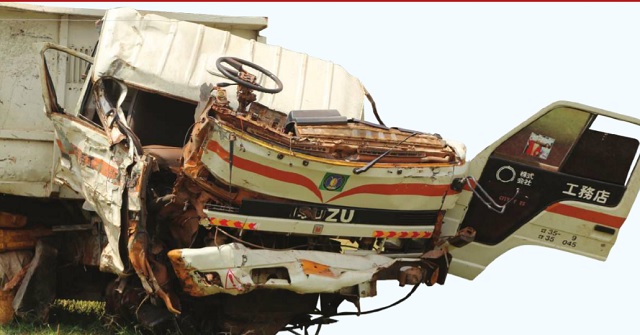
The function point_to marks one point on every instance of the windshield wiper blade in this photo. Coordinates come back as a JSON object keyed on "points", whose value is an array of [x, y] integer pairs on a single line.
{"points": [[375, 160]]}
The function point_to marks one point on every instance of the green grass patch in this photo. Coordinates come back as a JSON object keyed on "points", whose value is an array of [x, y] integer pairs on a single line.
{"points": [[70, 317]]}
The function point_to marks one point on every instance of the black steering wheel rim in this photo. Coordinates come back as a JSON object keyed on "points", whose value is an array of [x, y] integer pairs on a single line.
{"points": [[233, 74]]}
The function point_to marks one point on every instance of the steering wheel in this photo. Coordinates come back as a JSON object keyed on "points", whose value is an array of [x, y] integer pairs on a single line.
{"points": [[234, 74]]}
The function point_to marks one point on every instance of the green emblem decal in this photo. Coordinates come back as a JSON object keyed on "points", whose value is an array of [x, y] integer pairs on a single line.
{"points": [[333, 182]]}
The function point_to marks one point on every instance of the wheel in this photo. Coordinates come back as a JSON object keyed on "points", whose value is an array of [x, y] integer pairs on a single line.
{"points": [[233, 73]]}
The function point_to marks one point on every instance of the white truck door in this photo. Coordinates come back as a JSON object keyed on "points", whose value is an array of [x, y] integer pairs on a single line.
{"points": [[568, 181], [94, 153]]}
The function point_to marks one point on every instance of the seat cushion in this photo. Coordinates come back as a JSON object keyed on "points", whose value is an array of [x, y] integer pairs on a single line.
{"points": [[167, 157]]}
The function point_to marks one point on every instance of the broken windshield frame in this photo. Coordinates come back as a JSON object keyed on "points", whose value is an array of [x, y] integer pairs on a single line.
{"points": [[49, 96]]}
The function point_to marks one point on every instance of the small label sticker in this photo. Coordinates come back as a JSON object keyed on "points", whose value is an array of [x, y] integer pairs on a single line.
{"points": [[317, 229], [539, 146]]}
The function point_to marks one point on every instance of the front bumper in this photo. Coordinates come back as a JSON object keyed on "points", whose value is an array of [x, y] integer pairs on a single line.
{"points": [[235, 269]]}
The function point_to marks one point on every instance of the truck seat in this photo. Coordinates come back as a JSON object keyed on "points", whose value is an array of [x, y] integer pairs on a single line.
{"points": [[167, 157]]}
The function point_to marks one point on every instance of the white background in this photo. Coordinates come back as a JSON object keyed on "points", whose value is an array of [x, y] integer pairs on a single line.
{"points": [[471, 72]]}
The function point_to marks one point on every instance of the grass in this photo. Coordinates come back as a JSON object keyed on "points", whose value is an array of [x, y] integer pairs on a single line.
{"points": [[69, 317]]}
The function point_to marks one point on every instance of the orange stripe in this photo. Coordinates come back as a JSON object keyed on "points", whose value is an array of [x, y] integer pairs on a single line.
{"points": [[265, 171], [398, 189], [313, 268], [587, 215], [94, 163]]}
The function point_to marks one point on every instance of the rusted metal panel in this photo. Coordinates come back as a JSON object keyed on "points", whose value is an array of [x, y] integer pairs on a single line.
{"points": [[154, 278], [8, 220], [6, 310], [21, 239], [177, 58], [346, 141]]}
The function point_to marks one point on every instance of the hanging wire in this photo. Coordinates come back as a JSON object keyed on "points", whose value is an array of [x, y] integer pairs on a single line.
{"points": [[415, 287]]}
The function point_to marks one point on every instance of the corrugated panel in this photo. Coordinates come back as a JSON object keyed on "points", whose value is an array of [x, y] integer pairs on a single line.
{"points": [[177, 58]]}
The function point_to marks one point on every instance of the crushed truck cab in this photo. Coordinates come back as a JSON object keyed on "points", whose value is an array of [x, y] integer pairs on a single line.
{"points": [[211, 171]]}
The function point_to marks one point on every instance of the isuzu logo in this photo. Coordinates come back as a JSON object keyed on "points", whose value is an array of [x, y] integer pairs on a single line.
{"points": [[329, 214]]}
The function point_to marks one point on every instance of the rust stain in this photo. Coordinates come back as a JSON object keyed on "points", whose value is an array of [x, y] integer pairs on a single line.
{"points": [[21, 239], [346, 141], [182, 271], [148, 274], [8, 220]]}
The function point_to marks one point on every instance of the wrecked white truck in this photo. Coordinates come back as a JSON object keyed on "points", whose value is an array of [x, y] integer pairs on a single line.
{"points": [[214, 172]]}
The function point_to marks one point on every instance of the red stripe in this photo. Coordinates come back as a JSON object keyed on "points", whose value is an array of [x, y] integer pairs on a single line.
{"points": [[587, 215], [397, 189], [266, 171], [403, 234]]}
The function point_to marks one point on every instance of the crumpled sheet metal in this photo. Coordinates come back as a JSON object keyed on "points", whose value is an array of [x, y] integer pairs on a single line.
{"points": [[177, 58], [308, 271], [89, 167]]}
